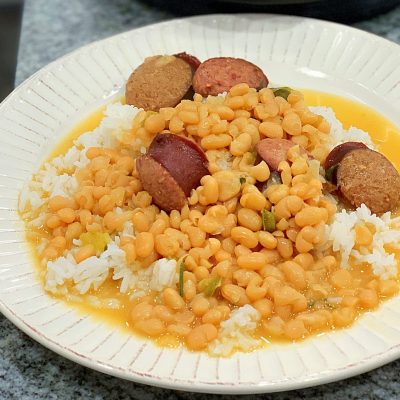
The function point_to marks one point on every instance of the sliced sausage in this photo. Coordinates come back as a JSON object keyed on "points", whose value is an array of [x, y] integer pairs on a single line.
{"points": [[218, 75], [184, 159], [156, 180], [161, 81], [172, 167], [329, 187], [193, 61], [273, 151], [366, 176], [337, 153]]}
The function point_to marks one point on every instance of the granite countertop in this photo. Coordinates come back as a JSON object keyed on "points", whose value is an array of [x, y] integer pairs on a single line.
{"points": [[27, 369]]}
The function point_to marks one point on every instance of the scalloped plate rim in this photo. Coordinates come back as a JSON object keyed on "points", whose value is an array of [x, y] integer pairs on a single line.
{"points": [[328, 376]]}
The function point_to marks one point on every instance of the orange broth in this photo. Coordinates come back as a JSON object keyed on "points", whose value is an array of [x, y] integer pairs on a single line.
{"points": [[383, 132]]}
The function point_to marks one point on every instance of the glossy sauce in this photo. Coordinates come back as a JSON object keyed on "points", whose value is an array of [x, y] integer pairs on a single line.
{"points": [[109, 289], [86, 125], [382, 131], [350, 113]]}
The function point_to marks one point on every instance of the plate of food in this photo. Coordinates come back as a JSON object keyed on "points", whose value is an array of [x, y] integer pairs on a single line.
{"points": [[208, 204]]}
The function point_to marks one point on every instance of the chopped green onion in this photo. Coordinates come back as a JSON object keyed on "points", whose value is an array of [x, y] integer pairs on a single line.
{"points": [[321, 303], [181, 271], [250, 157], [330, 173], [282, 92], [268, 220], [311, 303], [209, 285], [242, 180], [329, 305]]}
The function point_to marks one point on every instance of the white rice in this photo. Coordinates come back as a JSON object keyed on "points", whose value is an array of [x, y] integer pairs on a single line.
{"points": [[128, 230], [93, 272], [90, 273], [133, 279], [164, 274], [56, 177], [341, 236], [236, 333], [158, 276], [340, 135]]}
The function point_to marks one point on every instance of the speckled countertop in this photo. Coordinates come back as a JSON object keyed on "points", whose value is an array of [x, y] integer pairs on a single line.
{"points": [[30, 371]]}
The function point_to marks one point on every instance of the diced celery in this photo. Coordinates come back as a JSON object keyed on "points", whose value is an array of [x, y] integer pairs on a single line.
{"points": [[98, 239]]}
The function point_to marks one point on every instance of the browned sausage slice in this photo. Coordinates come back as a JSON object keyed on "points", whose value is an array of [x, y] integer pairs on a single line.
{"points": [[172, 167], [337, 153], [193, 61], [218, 75], [157, 181], [161, 81], [273, 151], [183, 159], [366, 176]]}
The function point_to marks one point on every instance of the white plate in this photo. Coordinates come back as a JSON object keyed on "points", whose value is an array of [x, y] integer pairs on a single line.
{"points": [[292, 51]]}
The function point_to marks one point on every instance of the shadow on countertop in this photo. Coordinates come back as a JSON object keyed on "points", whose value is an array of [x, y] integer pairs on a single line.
{"points": [[10, 21], [51, 375], [30, 371], [346, 11]]}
